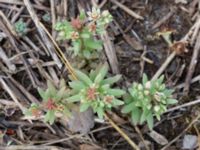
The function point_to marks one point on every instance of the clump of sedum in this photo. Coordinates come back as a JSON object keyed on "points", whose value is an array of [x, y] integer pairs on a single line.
{"points": [[148, 99], [54, 103], [95, 90], [83, 32]]}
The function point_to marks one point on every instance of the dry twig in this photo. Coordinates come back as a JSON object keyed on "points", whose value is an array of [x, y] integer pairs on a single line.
{"points": [[126, 9], [176, 138], [193, 64]]}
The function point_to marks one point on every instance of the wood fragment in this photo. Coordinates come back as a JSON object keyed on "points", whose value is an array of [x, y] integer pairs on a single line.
{"points": [[195, 102], [15, 45], [19, 2], [110, 53], [164, 65], [164, 19], [24, 91], [195, 79], [6, 60], [192, 66], [16, 16], [53, 16], [8, 24], [31, 43], [8, 102], [42, 32], [177, 137], [12, 95], [102, 3], [28, 147]]}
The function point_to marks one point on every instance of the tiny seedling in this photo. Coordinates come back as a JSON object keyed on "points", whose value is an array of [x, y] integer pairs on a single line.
{"points": [[83, 32], [148, 99], [20, 27], [46, 17], [94, 90], [54, 103]]}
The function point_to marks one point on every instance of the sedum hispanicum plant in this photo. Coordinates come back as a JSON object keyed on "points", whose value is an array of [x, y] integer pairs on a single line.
{"points": [[83, 32], [94, 90], [20, 27], [148, 99], [54, 102]]}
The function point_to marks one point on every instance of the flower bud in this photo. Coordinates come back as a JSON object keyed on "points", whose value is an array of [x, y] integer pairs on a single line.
{"points": [[146, 92], [140, 87], [148, 85], [156, 108]]}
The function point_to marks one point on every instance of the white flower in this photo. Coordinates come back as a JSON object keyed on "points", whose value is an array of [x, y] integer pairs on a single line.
{"points": [[94, 14]]}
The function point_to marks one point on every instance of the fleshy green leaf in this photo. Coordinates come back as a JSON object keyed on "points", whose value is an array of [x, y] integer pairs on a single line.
{"points": [[82, 15], [104, 87], [116, 92], [111, 80], [150, 121], [133, 92], [144, 79], [92, 44], [102, 73], [128, 108], [50, 117], [171, 101], [62, 83], [158, 116], [100, 112], [143, 117], [160, 80], [84, 107], [65, 26], [60, 93], [76, 47], [76, 85], [85, 35], [94, 73], [43, 94], [135, 115], [87, 54], [83, 77], [168, 92], [66, 112], [74, 98], [117, 102], [51, 88]]}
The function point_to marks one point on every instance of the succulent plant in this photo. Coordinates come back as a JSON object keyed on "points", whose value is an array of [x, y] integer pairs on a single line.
{"points": [[82, 31], [21, 27], [94, 90], [54, 102], [148, 99]]}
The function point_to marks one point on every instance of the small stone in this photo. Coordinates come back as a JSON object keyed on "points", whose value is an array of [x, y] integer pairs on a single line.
{"points": [[189, 141]]}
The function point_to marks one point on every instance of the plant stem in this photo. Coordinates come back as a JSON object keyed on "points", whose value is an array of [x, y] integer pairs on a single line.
{"points": [[122, 133]]}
